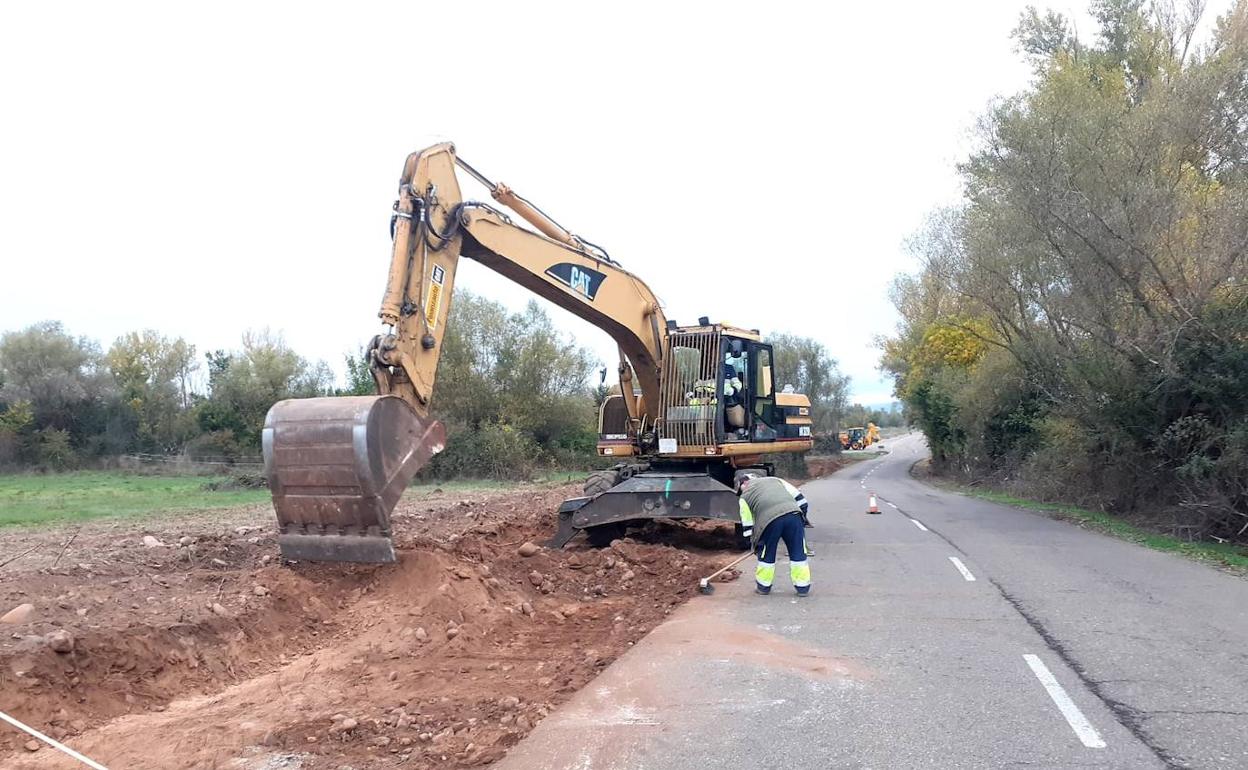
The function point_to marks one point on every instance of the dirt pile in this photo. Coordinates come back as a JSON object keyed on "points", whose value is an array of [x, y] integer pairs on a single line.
{"points": [[219, 653]]}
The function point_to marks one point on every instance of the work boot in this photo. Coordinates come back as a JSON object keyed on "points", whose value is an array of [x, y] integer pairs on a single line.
{"points": [[803, 592], [761, 589]]}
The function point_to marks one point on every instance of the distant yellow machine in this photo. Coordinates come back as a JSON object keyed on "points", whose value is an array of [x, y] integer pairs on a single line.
{"points": [[859, 438]]}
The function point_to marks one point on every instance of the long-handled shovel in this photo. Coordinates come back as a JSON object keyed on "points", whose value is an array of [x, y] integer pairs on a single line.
{"points": [[704, 585]]}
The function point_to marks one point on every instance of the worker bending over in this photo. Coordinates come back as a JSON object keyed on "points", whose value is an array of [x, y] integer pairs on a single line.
{"points": [[772, 510]]}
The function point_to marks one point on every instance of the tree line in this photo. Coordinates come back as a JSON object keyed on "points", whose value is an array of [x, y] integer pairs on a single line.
{"points": [[517, 395], [1078, 329]]}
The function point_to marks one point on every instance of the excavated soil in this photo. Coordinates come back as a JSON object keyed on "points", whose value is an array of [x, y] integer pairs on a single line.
{"points": [[205, 652]]}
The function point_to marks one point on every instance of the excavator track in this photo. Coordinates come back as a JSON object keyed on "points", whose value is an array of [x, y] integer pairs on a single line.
{"points": [[336, 469]]}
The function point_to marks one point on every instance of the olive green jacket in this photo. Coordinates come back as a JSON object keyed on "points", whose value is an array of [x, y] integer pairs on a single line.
{"points": [[766, 499]]}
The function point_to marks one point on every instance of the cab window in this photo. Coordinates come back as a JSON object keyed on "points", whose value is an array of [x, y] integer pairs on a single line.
{"points": [[763, 387]]}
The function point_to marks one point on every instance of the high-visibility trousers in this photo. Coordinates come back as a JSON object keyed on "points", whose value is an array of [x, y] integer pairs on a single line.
{"points": [[789, 529]]}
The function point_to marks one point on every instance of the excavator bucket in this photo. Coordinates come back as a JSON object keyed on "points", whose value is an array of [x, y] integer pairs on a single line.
{"points": [[337, 467]]}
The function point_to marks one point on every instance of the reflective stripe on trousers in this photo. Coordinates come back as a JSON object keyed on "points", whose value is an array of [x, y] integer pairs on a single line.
{"points": [[765, 574], [799, 571], [788, 528]]}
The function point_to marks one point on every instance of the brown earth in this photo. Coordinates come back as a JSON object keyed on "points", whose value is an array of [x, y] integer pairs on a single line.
{"points": [[818, 466], [213, 655]]}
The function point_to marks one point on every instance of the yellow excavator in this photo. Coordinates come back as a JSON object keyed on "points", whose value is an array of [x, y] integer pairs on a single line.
{"points": [[695, 405]]}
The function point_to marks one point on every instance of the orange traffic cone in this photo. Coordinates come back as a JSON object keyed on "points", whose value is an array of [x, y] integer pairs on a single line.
{"points": [[872, 506]]}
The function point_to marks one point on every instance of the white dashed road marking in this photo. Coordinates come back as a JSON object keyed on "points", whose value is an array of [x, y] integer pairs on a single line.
{"points": [[1074, 717], [919, 524], [966, 573]]}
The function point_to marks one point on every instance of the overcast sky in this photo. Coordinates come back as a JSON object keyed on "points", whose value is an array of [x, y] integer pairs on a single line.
{"points": [[207, 168]]}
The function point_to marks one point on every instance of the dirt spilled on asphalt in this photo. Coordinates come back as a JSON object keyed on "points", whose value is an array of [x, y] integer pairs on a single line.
{"points": [[202, 652]]}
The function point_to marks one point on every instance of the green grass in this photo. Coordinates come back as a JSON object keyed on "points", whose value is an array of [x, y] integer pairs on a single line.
{"points": [[859, 455], [1223, 554], [27, 499], [38, 499]]}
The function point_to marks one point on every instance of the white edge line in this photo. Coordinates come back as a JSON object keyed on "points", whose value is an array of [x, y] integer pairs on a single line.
{"points": [[54, 744], [1074, 717], [918, 524], [966, 573], [890, 505]]}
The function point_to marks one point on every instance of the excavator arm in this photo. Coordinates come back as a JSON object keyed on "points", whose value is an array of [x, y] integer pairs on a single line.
{"points": [[337, 466]]}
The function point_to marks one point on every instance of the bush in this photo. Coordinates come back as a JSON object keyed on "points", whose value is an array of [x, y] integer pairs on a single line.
{"points": [[217, 446], [493, 451], [55, 450], [827, 444]]}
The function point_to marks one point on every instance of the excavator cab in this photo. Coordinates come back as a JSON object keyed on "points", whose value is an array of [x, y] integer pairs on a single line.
{"points": [[717, 398]]}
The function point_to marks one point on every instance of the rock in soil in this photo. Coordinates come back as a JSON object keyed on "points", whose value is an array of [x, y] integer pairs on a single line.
{"points": [[22, 613], [346, 725], [528, 549], [61, 641]]}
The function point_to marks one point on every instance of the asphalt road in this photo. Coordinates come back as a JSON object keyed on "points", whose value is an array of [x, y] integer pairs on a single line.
{"points": [[1043, 645]]}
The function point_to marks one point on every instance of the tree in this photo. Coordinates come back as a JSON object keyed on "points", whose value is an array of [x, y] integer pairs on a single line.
{"points": [[1087, 298], [512, 368], [152, 375], [63, 378], [359, 374], [804, 363], [544, 379], [512, 381], [243, 385], [515, 390], [17, 425], [857, 415]]}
